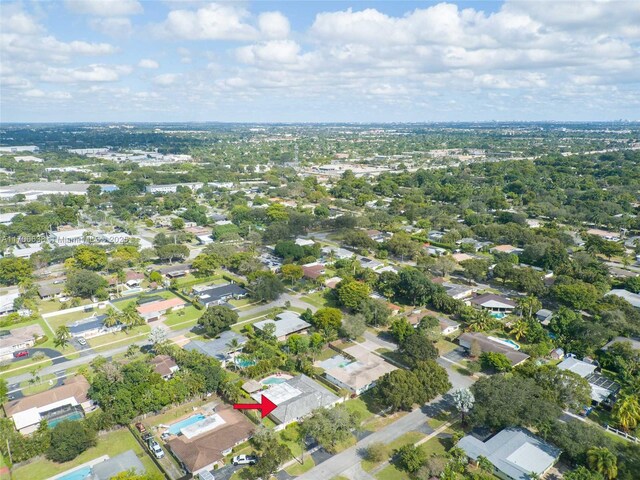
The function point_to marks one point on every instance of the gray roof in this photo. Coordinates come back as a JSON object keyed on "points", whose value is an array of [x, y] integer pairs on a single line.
{"points": [[635, 343], [296, 398], [87, 324], [515, 452], [577, 366], [488, 345], [218, 348], [50, 289], [217, 293], [120, 463], [287, 323], [632, 298]]}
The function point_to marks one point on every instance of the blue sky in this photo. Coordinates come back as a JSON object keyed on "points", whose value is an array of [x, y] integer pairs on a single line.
{"points": [[131, 60]]}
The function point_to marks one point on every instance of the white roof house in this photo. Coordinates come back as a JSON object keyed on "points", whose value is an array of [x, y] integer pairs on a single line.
{"points": [[603, 390], [632, 298], [69, 237], [287, 324], [515, 453]]}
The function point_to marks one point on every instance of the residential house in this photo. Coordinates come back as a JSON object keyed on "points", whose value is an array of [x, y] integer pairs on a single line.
{"points": [[556, 354], [287, 323], [508, 249], [611, 236], [457, 291], [67, 238], [603, 390], [50, 291], [356, 370], [337, 253], [461, 257], [515, 453], [154, 310], [370, 263], [133, 279], [7, 298], [93, 327], [633, 342], [221, 348], [7, 218], [313, 270], [632, 298], [125, 462], [544, 316], [447, 326], [219, 294], [493, 303], [175, 271], [304, 242], [224, 429], [164, 365], [332, 282], [489, 344], [68, 401], [18, 339], [296, 398]]}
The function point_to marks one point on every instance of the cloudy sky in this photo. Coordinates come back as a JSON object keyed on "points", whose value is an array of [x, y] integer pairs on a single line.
{"points": [[132, 60]]}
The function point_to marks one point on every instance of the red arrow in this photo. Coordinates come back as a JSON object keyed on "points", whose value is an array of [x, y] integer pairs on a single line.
{"points": [[266, 407]]}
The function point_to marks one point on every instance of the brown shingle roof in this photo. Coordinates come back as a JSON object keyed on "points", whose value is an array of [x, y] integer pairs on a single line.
{"points": [[77, 387], [207, 448], [162, 364]]}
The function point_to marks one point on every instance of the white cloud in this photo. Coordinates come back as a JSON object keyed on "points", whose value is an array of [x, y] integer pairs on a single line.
{"points": [[166, 79], [273, 25], [211, 22], [89, 73], [148, 63], [105, 8], [272, 52], [34, 93], [116, 27]]}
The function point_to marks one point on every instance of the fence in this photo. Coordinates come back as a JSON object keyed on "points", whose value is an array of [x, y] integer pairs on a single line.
{"points": [[622, 434]]}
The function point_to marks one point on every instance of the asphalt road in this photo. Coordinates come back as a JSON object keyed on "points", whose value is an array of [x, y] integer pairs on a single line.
{"points": [[49, 352], [414, 421]]}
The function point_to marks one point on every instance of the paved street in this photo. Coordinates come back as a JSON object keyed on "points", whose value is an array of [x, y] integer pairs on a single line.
{"points": [[346, 463]]}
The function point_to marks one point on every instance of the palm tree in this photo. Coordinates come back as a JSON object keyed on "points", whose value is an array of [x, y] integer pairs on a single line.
{"points": [[627, 412], [519, 329], [484, 464], [528, 306], [112, 318], [63, 335], [233, 345], [601, 460]]}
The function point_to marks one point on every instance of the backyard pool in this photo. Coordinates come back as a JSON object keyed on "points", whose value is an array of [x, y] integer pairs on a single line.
{"points": [[498, 316], [79, 474], [506, 342], [175, 428], [244, 363], [71, 416], [275, 379]]}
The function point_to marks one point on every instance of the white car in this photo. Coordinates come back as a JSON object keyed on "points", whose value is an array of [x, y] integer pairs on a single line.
{"points": [[244, 460], [82, 341], [156, 449]]}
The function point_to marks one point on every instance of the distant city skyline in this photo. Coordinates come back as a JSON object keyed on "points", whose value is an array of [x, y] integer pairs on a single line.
{"points": [[314, 62]]}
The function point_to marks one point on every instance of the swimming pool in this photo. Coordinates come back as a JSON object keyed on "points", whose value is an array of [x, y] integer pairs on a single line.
{"points": [[80, 474], [176, 427], [506, 342], [244, 363], [498, 316], [273, 381], [72, 416]]}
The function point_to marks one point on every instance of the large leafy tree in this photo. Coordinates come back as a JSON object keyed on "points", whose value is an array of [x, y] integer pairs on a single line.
{"points": [[601, 460], [14, 270], [84, 283], [417, 348], [352, 293], [69, 439], [330, 427], [398, 390], [217, 319], [266, 287], [90, 257]]}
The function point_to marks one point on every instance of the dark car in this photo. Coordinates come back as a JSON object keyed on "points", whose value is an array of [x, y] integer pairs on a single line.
{"points": [[21, 353]]}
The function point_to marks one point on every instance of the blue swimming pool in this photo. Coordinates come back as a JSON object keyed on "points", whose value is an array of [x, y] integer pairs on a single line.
{"points": [[71, 416], [80, 474], [176, 427], [273, 381], [244, 363], [498, 316]]}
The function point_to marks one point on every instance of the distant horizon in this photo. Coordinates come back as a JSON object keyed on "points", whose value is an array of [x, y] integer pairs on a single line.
{"points": [[365, 61]]}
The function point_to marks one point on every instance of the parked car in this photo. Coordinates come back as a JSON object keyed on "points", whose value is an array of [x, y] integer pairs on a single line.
{"points": [[156, 449], [82, 341], [141, 428], [244, 460], [21, 353]]}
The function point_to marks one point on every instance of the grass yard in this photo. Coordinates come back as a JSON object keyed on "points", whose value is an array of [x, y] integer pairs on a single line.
{"points": [[117, 338], [445, 346], [390, 472], [184, 318], [112, 444], [39, 386], [297, 469], [69, 318], [359, 407]]}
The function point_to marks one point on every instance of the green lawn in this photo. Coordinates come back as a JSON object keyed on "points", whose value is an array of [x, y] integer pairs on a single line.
{"points": [[297, 469], [112, 444], [40, 386], [188, 314], [68, 318], [129, 336], [359, 407], [390, 472]]}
